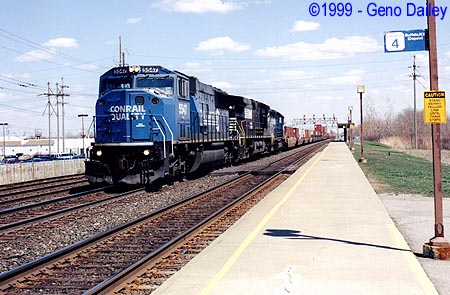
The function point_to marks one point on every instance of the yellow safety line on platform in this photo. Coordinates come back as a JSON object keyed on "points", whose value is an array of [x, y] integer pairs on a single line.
{"points": [[419, 273], [226, 267]]}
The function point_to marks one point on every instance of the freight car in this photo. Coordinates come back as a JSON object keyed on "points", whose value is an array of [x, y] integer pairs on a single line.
{"points": [[152, 122], [318, 131], [294, 136], [291, 137]]}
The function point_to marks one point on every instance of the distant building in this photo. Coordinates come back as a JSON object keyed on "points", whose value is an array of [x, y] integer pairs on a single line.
{"points": [[31, 147]]}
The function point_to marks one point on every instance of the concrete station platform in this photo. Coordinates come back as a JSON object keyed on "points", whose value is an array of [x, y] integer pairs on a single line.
{"points": [[323, 231]]}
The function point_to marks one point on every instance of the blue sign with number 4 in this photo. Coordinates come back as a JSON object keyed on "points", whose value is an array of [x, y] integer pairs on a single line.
{"points": [[400, 41]]}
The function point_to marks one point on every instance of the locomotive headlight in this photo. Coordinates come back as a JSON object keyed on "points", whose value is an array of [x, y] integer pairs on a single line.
{"points": [[155, 100], [146, 152], [135, 69], [99, 153]]}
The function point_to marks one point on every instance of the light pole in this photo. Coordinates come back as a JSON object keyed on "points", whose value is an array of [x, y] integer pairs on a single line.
{"points": [[83, 135], [350, 131], [4, 139], [361, 89]]}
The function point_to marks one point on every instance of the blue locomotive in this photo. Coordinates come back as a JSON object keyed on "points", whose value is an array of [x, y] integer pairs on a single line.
{"points": [[152, 122]]}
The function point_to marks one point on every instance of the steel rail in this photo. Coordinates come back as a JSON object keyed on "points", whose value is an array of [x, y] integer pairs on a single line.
{"points": [[20, 272], [64, 211], [35, 265], [15, 200], [18, 185], [111, 284]]}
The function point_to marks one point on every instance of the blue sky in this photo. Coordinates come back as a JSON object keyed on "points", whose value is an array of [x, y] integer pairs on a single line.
{"points": [[270, 50]]}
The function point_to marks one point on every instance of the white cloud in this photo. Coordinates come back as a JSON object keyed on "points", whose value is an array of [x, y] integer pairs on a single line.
{"points": [[61, 42], [221, 44], [304, 26], [262, 2], [327, 98], [350, 78], [195, 67], [332, 48], [17, 76], [226, 86], [197, 6], [47, 54], [296, 74], [88, 67], [35, 55], [134, 20]]}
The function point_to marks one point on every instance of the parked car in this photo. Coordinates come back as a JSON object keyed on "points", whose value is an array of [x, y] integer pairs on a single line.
{"points": [[79, 156], [10, 160], [63, 156], [35, 159], [40, 158]]}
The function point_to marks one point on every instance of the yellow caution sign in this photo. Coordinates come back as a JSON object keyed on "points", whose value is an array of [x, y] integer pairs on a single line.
{"points": [[434, 107]]}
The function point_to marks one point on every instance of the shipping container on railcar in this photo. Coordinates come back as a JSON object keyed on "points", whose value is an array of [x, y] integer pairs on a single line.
{"points": [[318, 131], [292, 136]]}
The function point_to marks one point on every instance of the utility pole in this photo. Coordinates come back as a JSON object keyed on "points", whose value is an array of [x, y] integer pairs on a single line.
{"points": [[414, 76], [4, 138], [60, 92], [49, 107], [57, 119], [83, 134]]}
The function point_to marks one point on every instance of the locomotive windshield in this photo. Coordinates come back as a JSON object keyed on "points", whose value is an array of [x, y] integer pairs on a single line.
{"points": [[161, 86], [111, 84]]}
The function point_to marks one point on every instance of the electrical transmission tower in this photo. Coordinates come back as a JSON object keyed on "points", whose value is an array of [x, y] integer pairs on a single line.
{"points": [[50, 109]]}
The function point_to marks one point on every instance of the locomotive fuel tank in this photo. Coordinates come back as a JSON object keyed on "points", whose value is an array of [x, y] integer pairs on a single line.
{"points": [[206, 159]]}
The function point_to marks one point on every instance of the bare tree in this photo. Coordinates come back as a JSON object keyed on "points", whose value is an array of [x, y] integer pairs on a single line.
{"points": [[379, 121]]}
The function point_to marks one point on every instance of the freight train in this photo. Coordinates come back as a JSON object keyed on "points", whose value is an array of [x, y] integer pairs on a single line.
{"points": [[294, 136], [152, 122]]}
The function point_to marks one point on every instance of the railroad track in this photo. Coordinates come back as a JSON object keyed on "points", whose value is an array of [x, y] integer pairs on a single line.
{"points": [[35, 213], [31, 192], [147, 274], [88, 266], [36, 183]]}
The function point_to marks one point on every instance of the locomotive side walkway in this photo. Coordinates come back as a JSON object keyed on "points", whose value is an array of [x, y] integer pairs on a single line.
{"points": [[323, 231]]}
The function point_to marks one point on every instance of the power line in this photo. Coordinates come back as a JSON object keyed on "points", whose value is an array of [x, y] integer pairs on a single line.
{"points": [[38, 46], [18, 82], [51, 62], [18, 90]]}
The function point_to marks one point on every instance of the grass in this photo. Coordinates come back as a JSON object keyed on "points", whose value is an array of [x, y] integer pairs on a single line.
{"points": [[396, 172]]}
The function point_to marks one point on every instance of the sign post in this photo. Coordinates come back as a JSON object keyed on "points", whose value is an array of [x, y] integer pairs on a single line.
{"points": [[438, 247], [434, 114]]}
